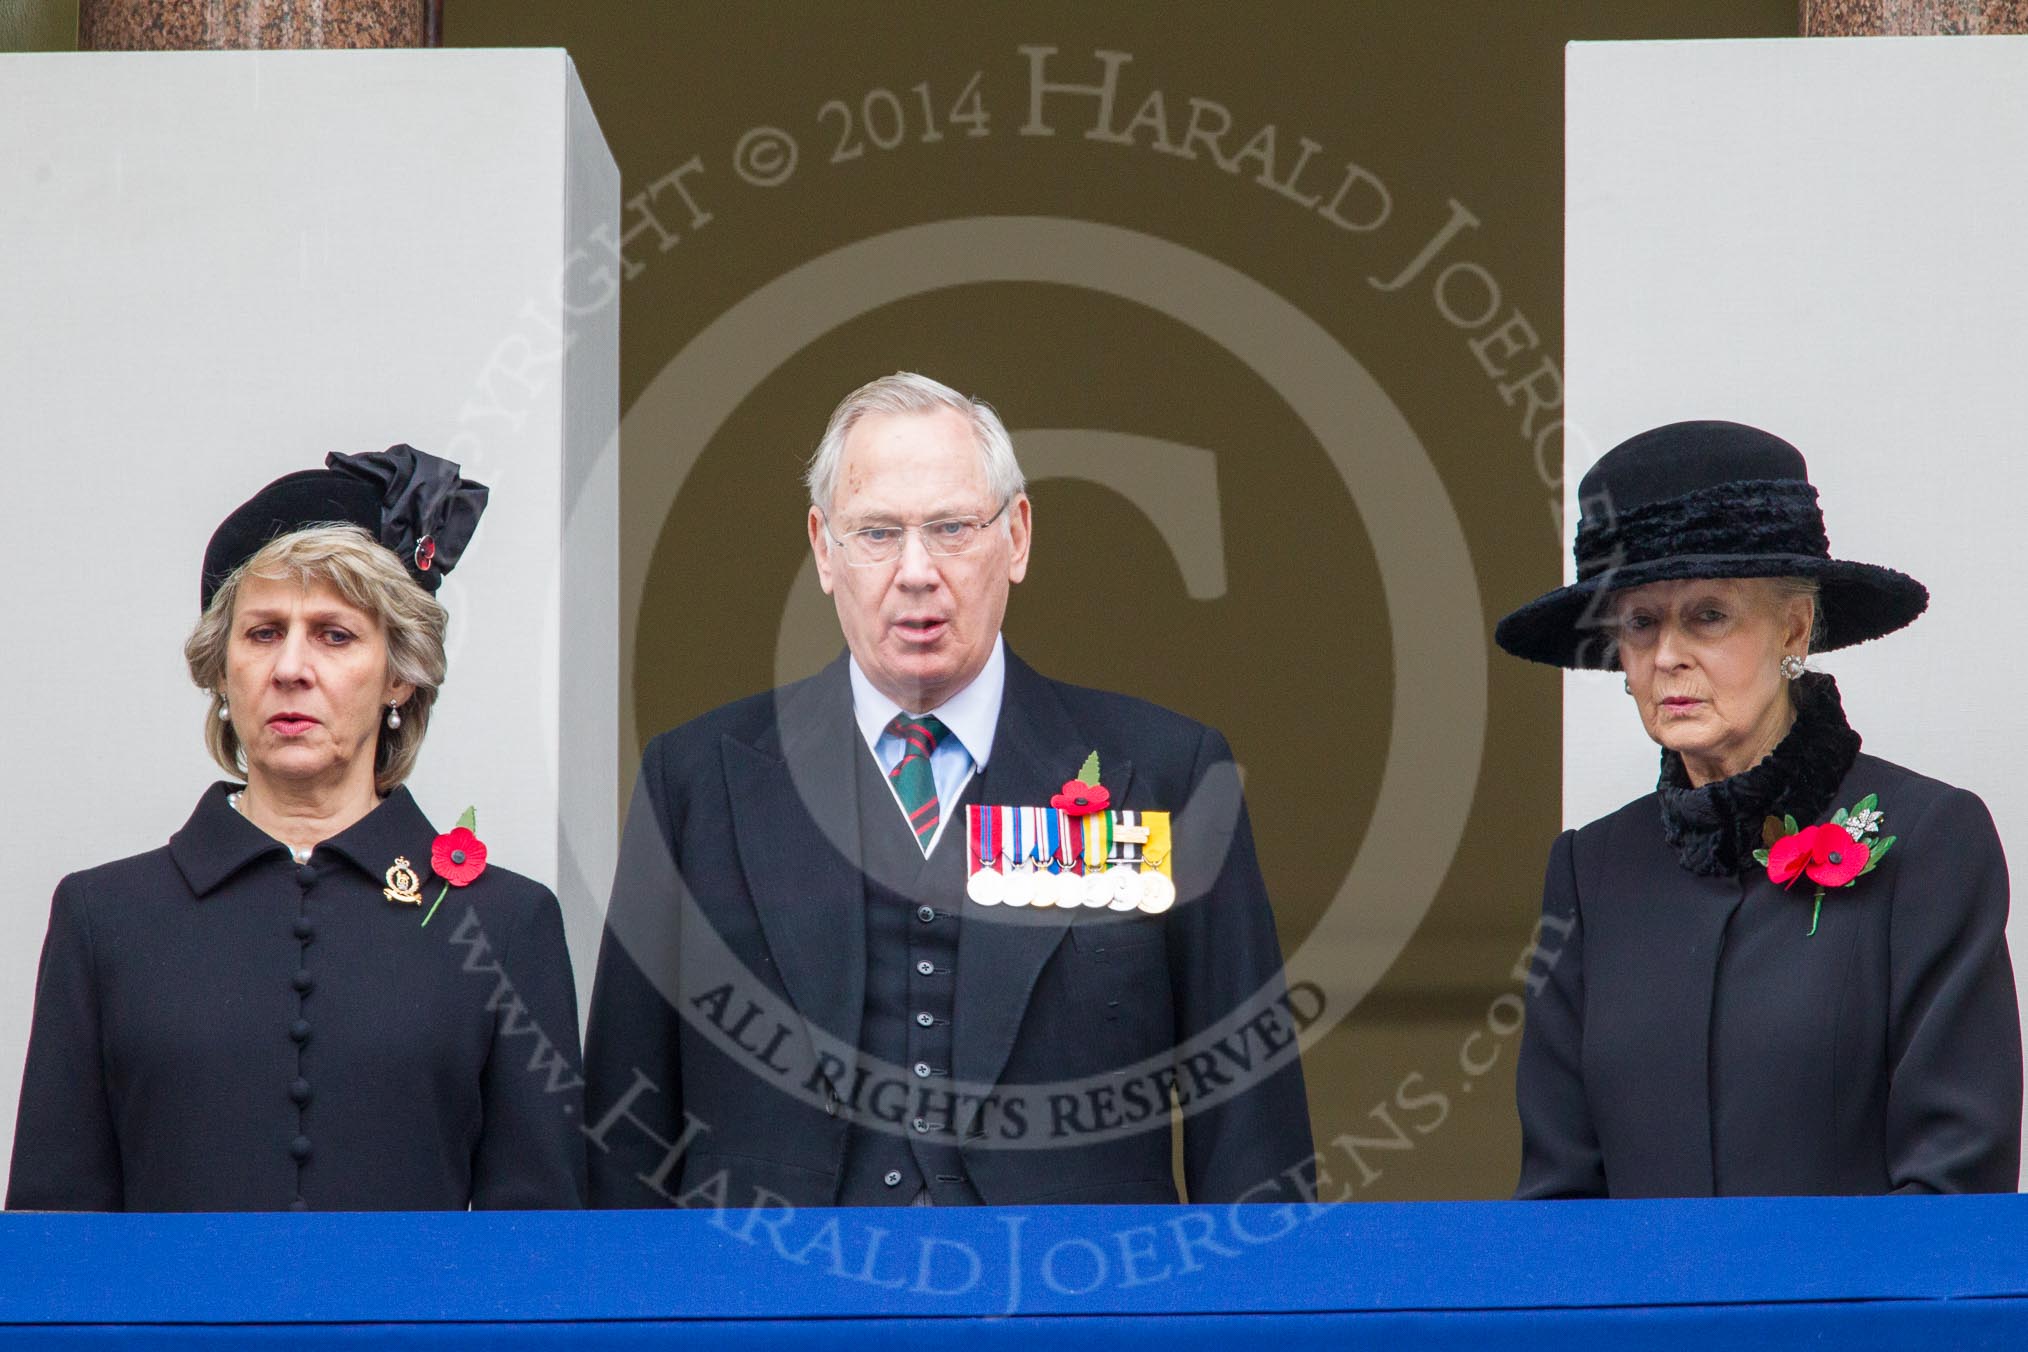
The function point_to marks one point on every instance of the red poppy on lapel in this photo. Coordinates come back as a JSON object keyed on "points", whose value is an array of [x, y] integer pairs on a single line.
{"points": [[1827, 854], [457, 856], [1083, 796], [1080, 799], [1836, 853]]}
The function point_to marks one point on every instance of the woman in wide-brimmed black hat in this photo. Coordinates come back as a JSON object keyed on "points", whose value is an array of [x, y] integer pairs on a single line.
{"points": [[261, 1015], [1785, 970]]}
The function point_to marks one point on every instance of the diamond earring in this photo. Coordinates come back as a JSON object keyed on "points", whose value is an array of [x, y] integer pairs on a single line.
{"points": [[393, 718], [1792, 666]]}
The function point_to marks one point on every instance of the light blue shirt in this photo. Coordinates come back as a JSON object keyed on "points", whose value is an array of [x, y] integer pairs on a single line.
{"points": [[971, 716]]}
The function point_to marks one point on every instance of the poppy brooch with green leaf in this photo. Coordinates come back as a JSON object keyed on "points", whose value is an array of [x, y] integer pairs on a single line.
{"points": [[1836, 853], [457, 856], [1083, 796]]}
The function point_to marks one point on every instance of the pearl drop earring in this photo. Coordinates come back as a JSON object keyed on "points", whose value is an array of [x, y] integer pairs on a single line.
{"points": [[393, 718], [224, 714]]}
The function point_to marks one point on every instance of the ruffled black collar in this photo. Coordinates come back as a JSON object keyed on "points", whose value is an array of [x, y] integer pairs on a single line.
{"points": [[1715, 830]]}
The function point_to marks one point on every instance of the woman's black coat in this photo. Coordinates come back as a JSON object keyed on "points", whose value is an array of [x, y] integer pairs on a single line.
{"points": [[219, 1029], [1688, 1036]]}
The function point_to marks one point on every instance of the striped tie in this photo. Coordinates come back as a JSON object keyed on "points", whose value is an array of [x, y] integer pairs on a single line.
{"points": [[914, 782]]}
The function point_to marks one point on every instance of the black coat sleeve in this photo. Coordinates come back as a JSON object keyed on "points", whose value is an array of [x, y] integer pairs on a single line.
{"points": [[1954, 1031], [1560, 1155], [66, 1154], [531, 1152], [1224, 954], [633, 1056]]}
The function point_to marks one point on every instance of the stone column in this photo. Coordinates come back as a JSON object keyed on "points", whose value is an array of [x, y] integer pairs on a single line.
{"points": [[177, 25], [1900, 18]]}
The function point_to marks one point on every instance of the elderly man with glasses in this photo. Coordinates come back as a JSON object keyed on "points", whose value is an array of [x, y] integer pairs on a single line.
{"points": [[930, 928]]}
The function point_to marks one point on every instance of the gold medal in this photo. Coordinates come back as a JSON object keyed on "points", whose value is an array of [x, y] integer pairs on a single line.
{"points": [[1045, 888], [1158, 889], [1158, 894], [402, 884]]}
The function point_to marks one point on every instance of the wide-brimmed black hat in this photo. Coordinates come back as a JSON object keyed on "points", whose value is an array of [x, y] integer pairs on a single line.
{"points": [[410, 501], [1702, 499]]}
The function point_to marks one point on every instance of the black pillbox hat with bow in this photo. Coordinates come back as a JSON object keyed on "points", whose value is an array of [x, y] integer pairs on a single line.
{"points": [[1694, 500], [413, 503]]}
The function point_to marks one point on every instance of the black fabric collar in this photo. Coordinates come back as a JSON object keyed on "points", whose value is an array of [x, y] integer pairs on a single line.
{"points": [[1715, 829], [218, 842]]}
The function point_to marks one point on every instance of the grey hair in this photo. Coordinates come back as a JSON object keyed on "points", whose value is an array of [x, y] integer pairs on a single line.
{"points": [[368, 575], [907, 392], [1798, 589]]}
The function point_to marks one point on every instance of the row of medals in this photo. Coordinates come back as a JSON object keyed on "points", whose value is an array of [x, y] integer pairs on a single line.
{"points": [[1123, 887]]}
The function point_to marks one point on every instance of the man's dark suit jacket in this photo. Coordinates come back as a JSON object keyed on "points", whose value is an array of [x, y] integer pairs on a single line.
{"points": [[1688, 1036], [746, 808]]}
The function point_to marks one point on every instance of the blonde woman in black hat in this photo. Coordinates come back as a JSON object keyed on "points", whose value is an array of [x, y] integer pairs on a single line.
{"points": [[1785, 970], [257, 1016]]}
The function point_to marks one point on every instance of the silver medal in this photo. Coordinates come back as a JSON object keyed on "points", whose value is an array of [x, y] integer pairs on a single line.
{"points": [[986, 887], [1095, 889], [1126, 888]]}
